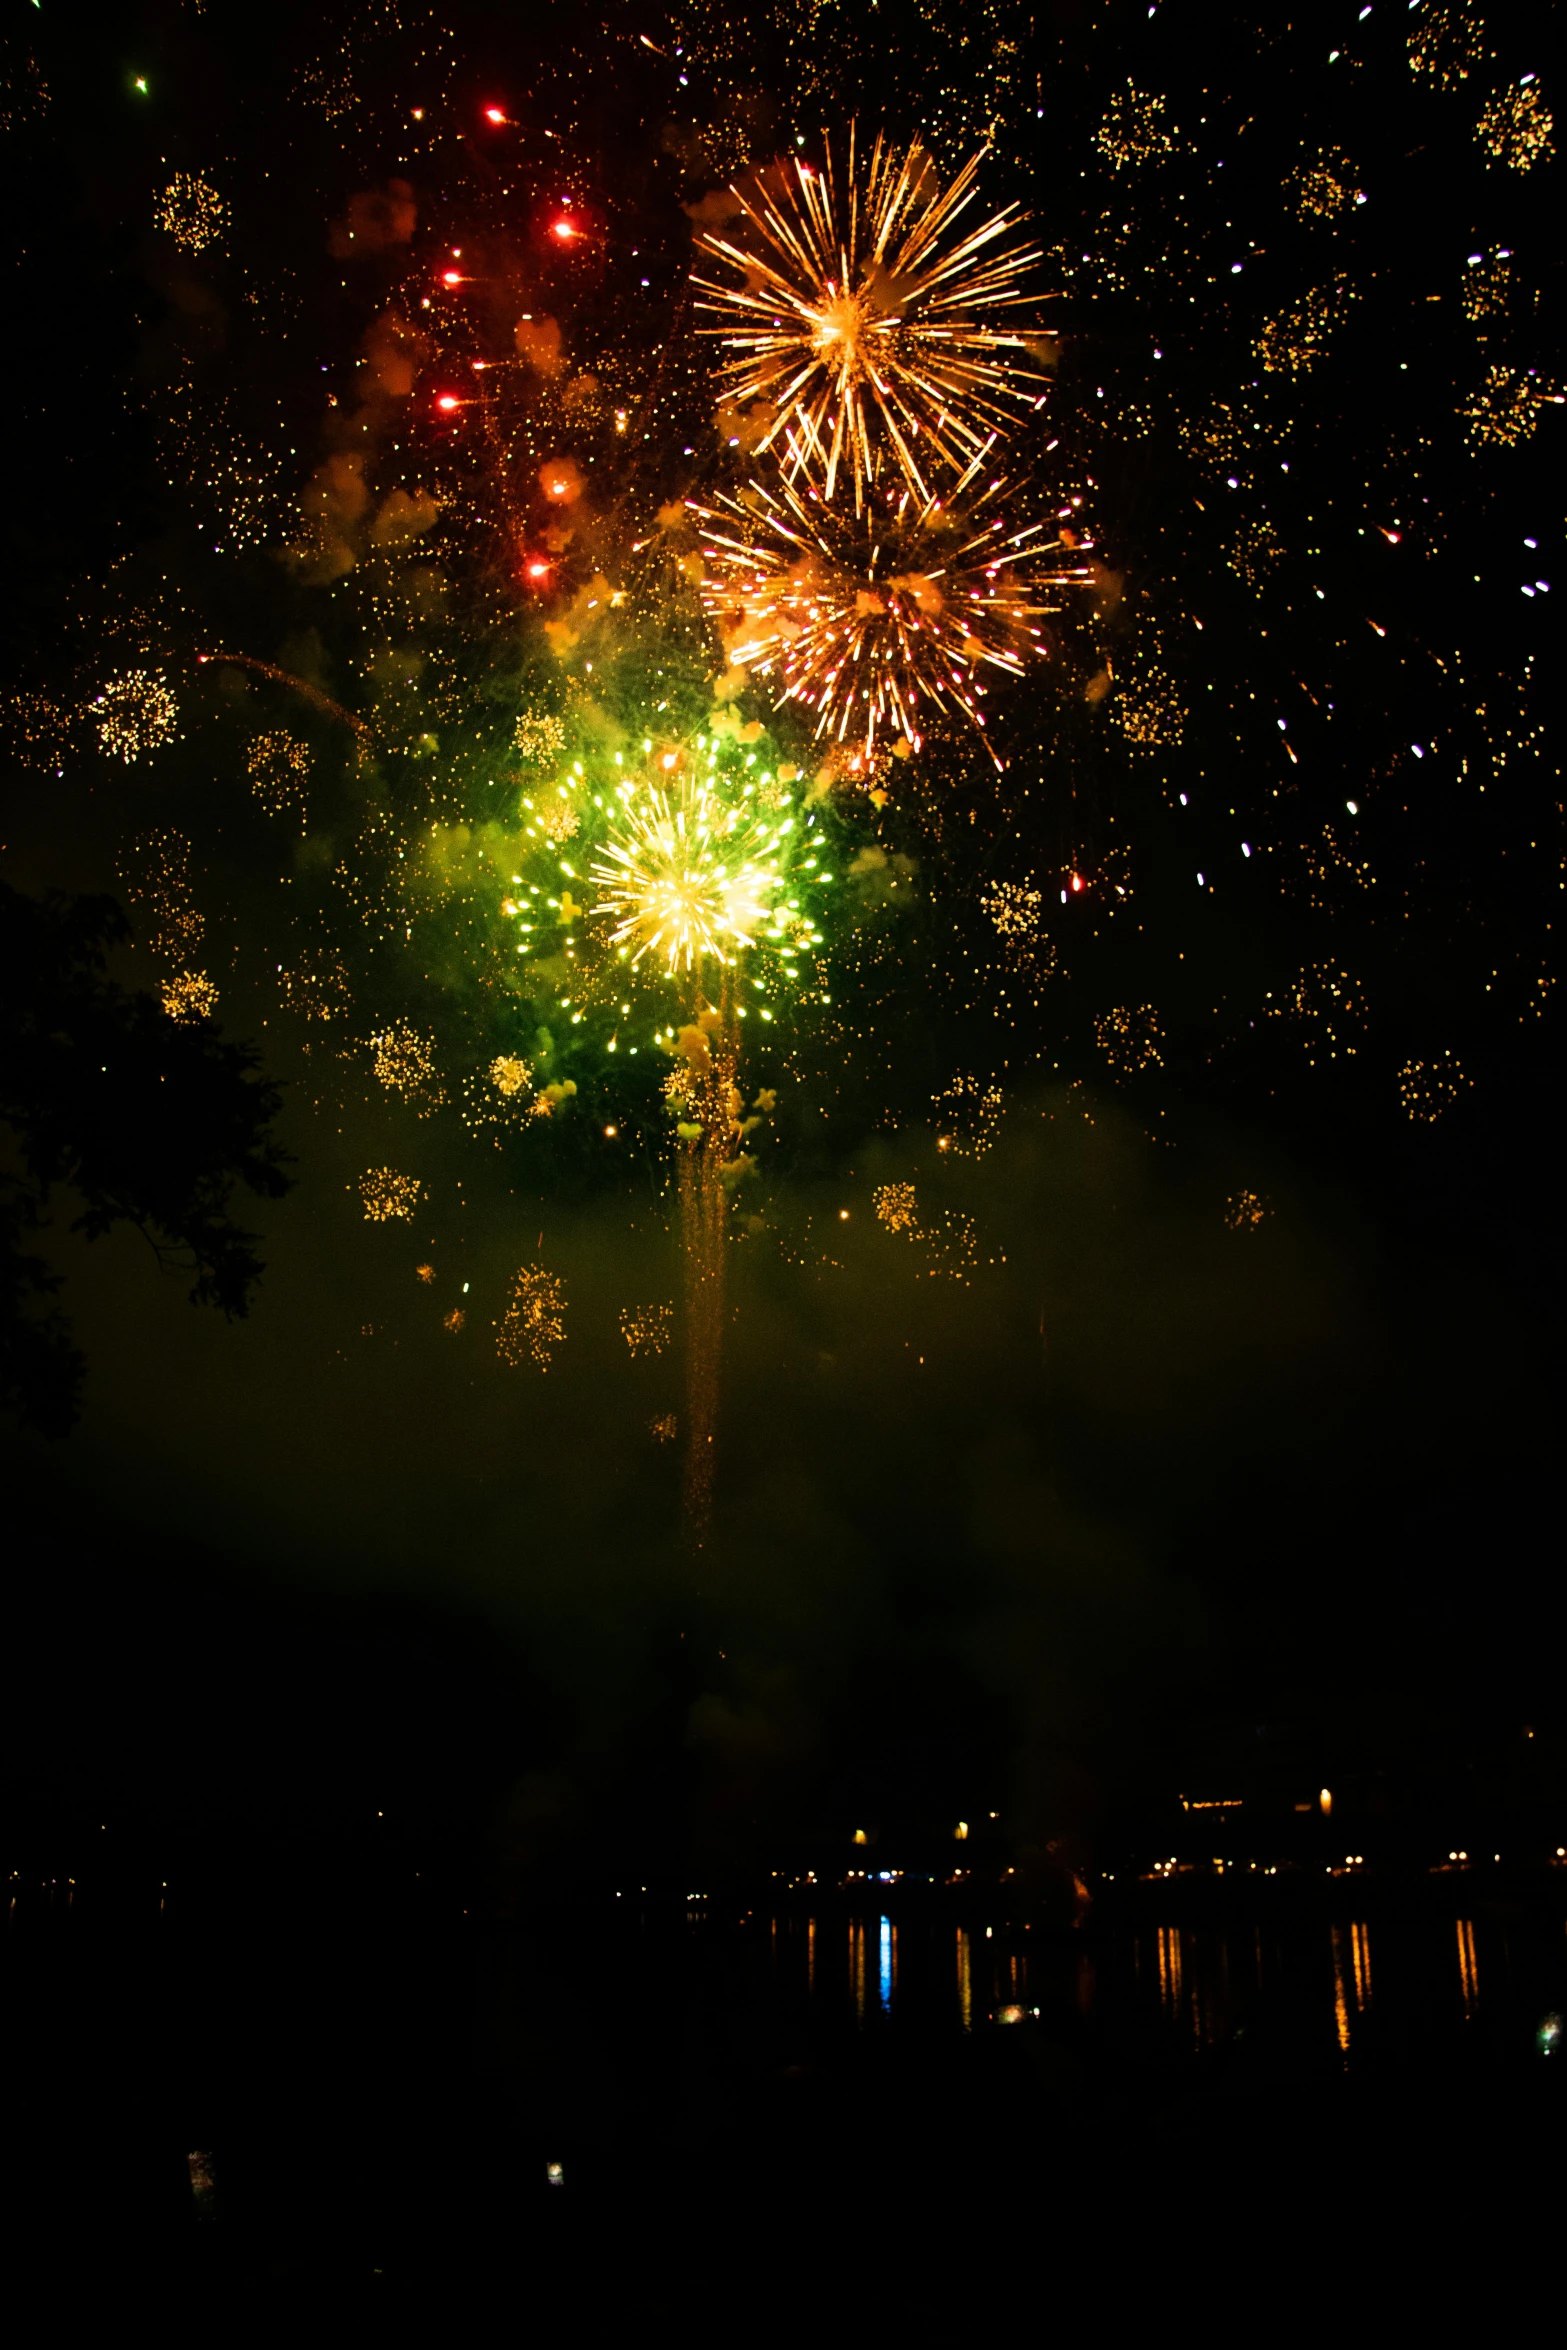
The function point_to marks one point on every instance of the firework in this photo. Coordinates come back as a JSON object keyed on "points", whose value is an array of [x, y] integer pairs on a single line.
{"points": [[647, 1329], [1487, 282], [389, 1197], [454, 1321], [535, 1320], [156, 873], [1324, 187], [189, 996], [317, 985], [35, 731], [557, 821], [1427, 1088], [1328, 873], [1149, 707], [688, 878], [405, 1064], [191, 211], [967, 1115], [135, 712], [1516, 127], [1293, 342], [539, 735], [1133, 131], [1329, 1006], [1016, 908], [278, 765], [874, 620], [1244, 1211], [868, 321], [1128, 1036], [1257, 548], [896, 1207], [1445, 43], [500, 1094], [1506, 408], [664, 1428]]}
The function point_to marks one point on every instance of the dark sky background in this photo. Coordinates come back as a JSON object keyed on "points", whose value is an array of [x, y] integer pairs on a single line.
{"points": [[1146, 1489]]}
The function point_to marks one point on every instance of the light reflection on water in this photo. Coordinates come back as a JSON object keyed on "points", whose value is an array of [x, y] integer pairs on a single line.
{"points": [[1468, 1971], [889, 1964], [1201, 1982]]}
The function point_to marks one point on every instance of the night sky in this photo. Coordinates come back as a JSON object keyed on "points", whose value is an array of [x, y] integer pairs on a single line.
{"points": [[1209, 1399]]}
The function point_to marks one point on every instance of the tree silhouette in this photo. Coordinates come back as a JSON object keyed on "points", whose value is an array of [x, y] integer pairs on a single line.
{"points": [[141, 1119]]}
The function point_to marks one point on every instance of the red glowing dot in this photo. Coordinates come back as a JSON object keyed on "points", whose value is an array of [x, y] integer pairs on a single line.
{"points": [[538, 570], [564, 228], [447, 401], [493, 114], [451, 277], [1077, 881]]}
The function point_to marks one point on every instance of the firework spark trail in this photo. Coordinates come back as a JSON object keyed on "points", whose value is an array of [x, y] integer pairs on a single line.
{"points": [[867, 618], [711, 1132], [860, 314], [298, 685]]}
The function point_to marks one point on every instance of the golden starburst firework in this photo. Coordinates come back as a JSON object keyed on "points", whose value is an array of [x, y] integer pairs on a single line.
{"points": [[687, 878], [876, 619], [871, 320]]}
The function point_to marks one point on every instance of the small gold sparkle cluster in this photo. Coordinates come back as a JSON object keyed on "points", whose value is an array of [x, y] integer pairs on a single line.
{"points": [[135, 712], [1243, 1211], [967, 1116], [557, 820], [1149, 707], [189, 996], [405, 1064], [1516, 127], [1505, 410], [1128, 1036], [1330, 870], [1015, 907], [1328, 1003], [1445, 43], [1486, 286], [1324, 187], [278, 765], [317, 985], [538, 734], [664, 1428], [1133, 131], [36, 732], [535, 1320], [1292, 343], [1257, 548], [191, 211], [1427, 1088], [896, 1207], [647, 1330], [388, 1196], [454, 1321], [156, 872]]}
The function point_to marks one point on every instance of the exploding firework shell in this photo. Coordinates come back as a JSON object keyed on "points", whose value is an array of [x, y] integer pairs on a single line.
{"points": [[877, 619], [875, 324], [687, 877]]}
